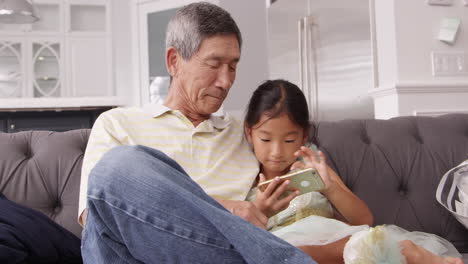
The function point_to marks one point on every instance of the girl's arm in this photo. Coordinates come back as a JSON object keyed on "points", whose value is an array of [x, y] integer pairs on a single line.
{"points": [[349, 206]]}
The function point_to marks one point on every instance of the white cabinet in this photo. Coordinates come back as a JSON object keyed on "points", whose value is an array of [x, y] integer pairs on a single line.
{"points": [[12, 68], [89, 73], [46, 68], [31, 68], [66, 54]]}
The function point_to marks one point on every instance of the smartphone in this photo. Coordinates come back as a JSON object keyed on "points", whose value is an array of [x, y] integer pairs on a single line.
{"points": [[304, 180]]}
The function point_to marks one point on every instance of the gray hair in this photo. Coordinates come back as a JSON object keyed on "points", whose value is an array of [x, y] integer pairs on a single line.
{"points": [[195, 22]]}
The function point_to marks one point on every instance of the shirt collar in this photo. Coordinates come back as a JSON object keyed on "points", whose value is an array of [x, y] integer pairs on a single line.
{"points": [[156, 110], [218, 121]]}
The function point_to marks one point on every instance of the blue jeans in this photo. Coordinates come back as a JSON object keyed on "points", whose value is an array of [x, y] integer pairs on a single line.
{"points": [[143, 208]]}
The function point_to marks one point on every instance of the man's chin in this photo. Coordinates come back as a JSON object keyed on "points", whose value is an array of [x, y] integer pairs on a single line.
{"points": [[212, 109]]}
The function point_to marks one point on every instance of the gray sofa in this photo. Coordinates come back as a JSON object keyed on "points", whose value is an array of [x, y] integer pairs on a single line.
{"points": [[393, 165]]}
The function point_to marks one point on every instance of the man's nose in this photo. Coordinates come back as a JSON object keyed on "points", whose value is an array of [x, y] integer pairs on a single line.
{"points": [[224, 78]]}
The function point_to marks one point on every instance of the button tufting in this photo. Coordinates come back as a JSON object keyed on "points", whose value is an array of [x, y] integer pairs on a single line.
{"points": [[402, 191], [365, 139], [419, 139], [27, 152], [57, 207]]}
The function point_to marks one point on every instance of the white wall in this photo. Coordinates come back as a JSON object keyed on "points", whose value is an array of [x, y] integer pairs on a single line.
{"points": [[406, 35], [386, 42], [417, 26], [122, 51], [250, 16]]}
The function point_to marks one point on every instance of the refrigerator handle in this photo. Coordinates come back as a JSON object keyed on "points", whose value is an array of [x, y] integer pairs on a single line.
{"points": [[311, 67], [300, 33]]}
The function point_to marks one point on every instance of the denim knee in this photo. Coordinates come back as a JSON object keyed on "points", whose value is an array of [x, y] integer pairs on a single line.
{"points": [[129, 156], [128, 163], [117, 162]]}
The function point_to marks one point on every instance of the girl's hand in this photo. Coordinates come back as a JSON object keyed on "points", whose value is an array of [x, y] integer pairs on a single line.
{"points": [[269, 201], [349, 207], [311, 161]]}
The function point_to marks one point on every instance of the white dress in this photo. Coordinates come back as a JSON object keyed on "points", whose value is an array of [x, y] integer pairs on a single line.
{"points": [[308, 221]]}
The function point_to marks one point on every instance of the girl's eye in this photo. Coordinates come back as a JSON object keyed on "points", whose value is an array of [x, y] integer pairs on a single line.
{"points": [[265, 140], [290, 141]]}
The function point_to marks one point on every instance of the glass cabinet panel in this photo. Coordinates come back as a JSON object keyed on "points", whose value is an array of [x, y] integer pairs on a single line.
{"points": [[46, 69], [10, 69]]}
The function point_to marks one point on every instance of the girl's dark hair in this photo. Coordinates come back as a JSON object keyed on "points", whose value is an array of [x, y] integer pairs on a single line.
{"points": [[275, 97]]}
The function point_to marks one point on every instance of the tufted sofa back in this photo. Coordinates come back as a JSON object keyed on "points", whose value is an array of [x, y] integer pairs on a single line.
{"points": [[41, 170], [395, 166]]}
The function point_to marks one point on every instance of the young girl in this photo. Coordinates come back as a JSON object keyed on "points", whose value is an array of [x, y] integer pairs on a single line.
{"points": [[320, 223]]}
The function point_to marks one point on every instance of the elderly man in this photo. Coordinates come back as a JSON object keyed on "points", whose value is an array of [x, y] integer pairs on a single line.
{"points": [[166, 183]]}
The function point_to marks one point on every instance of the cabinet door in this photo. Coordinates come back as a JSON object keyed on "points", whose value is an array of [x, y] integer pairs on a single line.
{"points": [[86, 17], [51, 121], [51, 17], [11, 69], [3, 124], [47, 69], [89, 66]]}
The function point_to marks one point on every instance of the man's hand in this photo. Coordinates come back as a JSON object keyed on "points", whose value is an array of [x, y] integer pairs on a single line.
{"points": [[82, 218], [270, 201], [245, 210]]}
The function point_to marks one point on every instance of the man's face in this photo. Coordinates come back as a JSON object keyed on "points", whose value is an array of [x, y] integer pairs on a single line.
{"points": [[209, 74]]}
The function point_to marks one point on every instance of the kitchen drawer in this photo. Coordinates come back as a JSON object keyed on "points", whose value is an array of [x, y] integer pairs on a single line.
{"points": [[3, 125]]}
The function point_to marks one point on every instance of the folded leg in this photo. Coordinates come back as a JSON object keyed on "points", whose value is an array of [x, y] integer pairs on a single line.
{"points": [[143, 208]]}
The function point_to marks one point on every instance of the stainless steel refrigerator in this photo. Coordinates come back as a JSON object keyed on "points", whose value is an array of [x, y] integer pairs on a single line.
{"points": [[324, 46]]}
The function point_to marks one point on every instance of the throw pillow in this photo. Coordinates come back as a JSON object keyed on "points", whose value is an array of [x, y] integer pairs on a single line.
{"points": [[452, 192], [28, 236]]}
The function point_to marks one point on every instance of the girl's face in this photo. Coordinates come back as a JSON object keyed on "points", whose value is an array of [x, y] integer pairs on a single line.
{"points": [[274, 142]]}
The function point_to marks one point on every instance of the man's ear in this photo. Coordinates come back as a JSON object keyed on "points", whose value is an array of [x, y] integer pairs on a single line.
{"points": [[248, 134], [172, 61]]}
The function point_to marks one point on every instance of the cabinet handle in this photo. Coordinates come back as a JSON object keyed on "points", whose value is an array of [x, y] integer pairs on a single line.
{"points": [[12, 126]]}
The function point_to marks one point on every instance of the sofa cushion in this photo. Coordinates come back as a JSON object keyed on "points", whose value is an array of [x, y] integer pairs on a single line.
{"points": [[395, 166], [41, 170]]}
